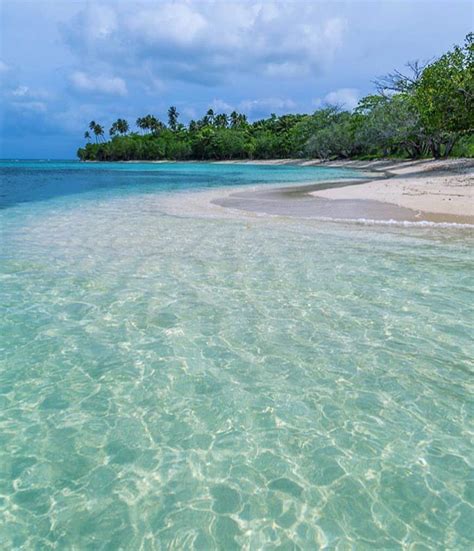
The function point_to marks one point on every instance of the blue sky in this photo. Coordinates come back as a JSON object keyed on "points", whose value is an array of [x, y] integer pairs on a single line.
{"points": [[65, 62]]}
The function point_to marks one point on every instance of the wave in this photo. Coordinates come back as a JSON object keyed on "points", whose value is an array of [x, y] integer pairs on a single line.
{"points": [[391, 222]]}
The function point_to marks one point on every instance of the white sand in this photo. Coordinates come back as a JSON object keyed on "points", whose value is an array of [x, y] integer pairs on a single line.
{"points": [[433, 186]]}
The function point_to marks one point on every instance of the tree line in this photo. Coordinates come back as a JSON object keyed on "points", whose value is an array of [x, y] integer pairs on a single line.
{"points": [[427, 110]]}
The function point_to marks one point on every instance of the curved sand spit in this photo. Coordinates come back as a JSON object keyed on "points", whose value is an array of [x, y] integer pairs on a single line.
{"points": [[426, 190]]}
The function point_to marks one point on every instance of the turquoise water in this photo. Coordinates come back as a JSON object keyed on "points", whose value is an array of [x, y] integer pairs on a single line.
{"points": [[170, 380]]}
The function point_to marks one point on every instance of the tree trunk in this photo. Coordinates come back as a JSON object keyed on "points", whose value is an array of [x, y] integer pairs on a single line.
{"points": [[435, 148]]}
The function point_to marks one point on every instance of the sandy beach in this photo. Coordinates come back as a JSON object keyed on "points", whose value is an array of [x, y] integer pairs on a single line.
{"points": [[424, 190], [434, 186]]}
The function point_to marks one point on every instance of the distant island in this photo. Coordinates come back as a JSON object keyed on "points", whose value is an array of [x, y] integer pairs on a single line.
{"points": [[426, 111]]}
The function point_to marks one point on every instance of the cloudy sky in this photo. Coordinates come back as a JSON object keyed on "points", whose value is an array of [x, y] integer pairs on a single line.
{"points": [[65, 62]]}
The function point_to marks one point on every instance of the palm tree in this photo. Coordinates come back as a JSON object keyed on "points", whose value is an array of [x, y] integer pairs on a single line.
{"points": [[151, 121], [140, 122], [146, 123], [242, 120], [97, 129], [92, 126], [98, 132], [156, 126], [221, 120], [87, 136], [234, 119], [122, 126], [173, 117], [209, 117]]}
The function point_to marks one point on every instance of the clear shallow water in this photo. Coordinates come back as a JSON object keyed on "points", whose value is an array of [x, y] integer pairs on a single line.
{"points": [[26, 181], [180, 382]]}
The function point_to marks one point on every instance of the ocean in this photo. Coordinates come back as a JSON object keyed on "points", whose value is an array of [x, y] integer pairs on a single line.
{"points": [[178, 377]]}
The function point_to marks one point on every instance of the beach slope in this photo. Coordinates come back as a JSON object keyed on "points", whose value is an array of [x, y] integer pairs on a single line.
{"points": [[442, 187], [440, 191]]}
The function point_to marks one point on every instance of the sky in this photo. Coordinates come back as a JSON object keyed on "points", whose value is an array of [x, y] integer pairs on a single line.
{"points": [[66, 62]]}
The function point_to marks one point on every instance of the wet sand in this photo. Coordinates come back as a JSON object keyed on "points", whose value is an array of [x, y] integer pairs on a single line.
{"points": [[431, 191]]}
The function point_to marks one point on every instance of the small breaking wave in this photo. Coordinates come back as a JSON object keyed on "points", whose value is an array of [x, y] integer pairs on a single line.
{"points": [[392, 222]]}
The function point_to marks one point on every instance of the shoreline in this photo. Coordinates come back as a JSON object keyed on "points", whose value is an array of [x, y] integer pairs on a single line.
{"points": [[437, 191], [412, 191]]}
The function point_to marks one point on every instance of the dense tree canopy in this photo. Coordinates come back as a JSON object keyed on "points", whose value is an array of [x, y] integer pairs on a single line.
{"points": [[428, 111], [444, 97]]}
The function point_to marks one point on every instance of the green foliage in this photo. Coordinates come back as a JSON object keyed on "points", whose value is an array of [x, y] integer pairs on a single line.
{"points": [[464, 147], [429, 111], [120, 126], [331, 135], [173, 117], [390, 124], [444, 97], [98, 131]]}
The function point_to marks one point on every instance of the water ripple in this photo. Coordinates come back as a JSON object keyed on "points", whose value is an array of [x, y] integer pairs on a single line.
{"points": [[179, 383]]}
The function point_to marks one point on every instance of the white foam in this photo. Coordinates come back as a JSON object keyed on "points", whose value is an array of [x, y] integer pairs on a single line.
{"points": [[391, 222], [201, 205]]}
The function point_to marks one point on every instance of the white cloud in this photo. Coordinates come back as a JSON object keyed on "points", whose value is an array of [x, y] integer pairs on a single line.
{"points": [[221, 106], [25, 92], [35, 106], [286, 69], [347, 98], [20, 91], [75, 118], [101, 84], [177, 24], [189, 112], [4, 67], [22, 101], [207, 42], [266, 106], [96, 23], [154, 86], [344, 97]]}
